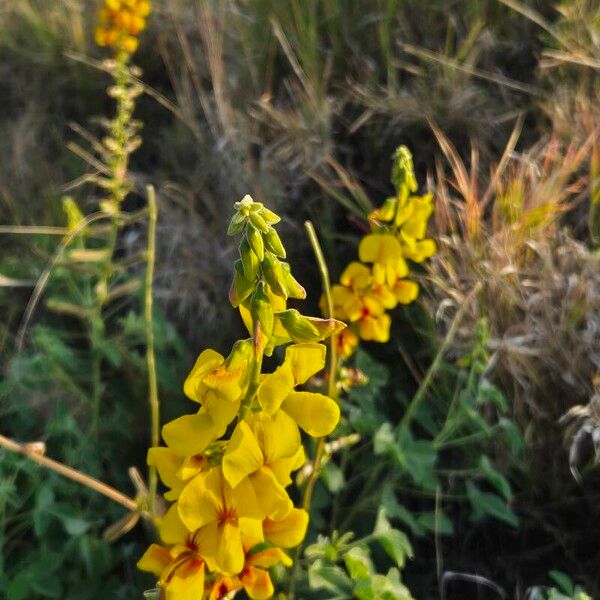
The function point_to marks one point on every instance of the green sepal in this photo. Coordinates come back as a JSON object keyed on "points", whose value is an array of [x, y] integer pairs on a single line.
{"points": [[307, 329]]}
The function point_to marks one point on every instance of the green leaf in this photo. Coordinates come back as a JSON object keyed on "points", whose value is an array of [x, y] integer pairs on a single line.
{"points": [[439, 523], [358, 563], [394, 542], [563, 581], [333, 477], [495, 478], [329, 578], [485, 504]]}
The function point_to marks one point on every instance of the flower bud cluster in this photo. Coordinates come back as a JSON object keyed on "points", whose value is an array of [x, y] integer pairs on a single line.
{"points": [[120, 22], [227, 466], [375, 285]]}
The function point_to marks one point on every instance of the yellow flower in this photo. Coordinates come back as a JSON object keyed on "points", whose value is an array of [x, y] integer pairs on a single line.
{"points": [[223, 513], [385, 252], [314, 413], [218, 385], [180, 568], [266, 450]]}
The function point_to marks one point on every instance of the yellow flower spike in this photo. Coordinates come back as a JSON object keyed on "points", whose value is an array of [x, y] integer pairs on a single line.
{"points": [[289, 531], [210, 503], [265, 450], [314, 413]]}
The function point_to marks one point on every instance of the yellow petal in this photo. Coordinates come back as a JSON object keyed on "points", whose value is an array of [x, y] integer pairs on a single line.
{"points": [[208, 361], [201, 501], [375, 328], [268, 558], [406, 291], [379, 248], [243, 500], [191, 434], [278, 436], [167, 464], [289, 531], [315, 413], [356, 275], [243, 455], [252, 532], [186, 582], [284, 466], [275, 387], [271, 495], [155, 560], [305, 360], [230, 552], [257, 583], [170, 528]]}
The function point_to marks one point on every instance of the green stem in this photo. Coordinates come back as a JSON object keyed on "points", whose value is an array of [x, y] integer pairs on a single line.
{"points": [[150, 357], [331, 391], [425, 383]]}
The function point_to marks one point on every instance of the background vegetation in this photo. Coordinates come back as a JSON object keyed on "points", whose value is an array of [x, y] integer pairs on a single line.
{"points": [[479, 424]]}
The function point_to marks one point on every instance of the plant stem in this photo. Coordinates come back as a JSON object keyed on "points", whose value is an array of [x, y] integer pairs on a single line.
{"points": [[331, 380], [69, 473], [425, 383], [150, 358], [331, 391]]}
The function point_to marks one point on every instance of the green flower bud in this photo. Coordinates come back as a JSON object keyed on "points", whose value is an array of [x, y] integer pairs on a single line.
{"points": [[307, 329], [241, 353], [274, 274], [262, 311], [258, 222], [236, 223], [292, 287], [269, 216], [250, 261], [273, 243], [256, 242], [241, 287]]}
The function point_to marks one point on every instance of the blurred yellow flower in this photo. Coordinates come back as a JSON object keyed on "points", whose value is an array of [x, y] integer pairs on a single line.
{"points": [[120, 22]]}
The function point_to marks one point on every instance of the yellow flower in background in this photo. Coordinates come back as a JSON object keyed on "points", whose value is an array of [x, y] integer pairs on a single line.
{"points": [[120, 22], [315, 413], [399, 229], [265, 450], [223, 513]]}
